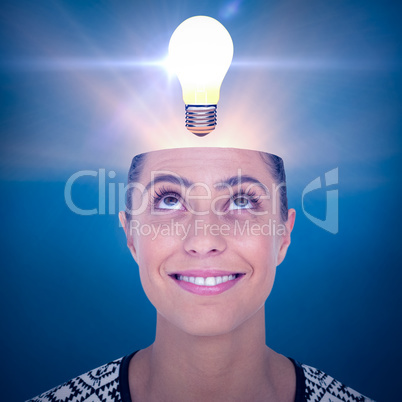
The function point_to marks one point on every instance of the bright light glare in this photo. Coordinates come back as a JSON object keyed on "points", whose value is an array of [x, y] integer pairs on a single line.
{"points": [[166, 63]]}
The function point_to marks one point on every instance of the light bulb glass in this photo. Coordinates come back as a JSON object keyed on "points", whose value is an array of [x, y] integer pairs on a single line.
{"points": [[200, 53]]}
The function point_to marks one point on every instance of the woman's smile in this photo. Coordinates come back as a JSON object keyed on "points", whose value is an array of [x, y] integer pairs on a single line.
{"points": [[206, 283]]}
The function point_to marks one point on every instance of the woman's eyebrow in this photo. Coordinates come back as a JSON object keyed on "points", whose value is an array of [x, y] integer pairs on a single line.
{"points": [[221, 185], [238, 180], [169, 178]]}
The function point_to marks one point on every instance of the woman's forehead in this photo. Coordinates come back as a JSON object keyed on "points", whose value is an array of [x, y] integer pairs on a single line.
{"points": [[209, 164]]}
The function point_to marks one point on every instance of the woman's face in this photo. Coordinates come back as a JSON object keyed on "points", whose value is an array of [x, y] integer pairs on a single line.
{"points": [[207, 235]]}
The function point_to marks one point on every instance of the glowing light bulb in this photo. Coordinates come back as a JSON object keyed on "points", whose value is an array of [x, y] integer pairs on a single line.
{"points": [[200, 53]]}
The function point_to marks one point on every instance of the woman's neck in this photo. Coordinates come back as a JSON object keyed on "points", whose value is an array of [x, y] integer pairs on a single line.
{"points": [[232, 366]]}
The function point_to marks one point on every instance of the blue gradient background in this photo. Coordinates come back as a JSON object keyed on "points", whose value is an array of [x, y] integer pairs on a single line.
{"points": [[318, 80]]}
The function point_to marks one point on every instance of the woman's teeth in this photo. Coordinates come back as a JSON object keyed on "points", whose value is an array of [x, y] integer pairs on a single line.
{"points": [[209, 281]]}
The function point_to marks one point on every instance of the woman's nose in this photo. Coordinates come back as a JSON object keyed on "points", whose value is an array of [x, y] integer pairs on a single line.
{"points": [[205, 237]]}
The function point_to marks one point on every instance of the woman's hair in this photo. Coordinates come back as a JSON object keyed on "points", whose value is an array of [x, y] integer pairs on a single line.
{"points": [[134, 173], [277, 170], [274, 164]]}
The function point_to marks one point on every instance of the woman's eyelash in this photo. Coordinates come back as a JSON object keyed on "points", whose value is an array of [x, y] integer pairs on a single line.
{"points": [[166, 192], [163, 192], [250, 195]]}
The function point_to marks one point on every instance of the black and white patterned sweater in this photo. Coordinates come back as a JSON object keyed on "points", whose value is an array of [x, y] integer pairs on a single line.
{"points": [[109, 383]]}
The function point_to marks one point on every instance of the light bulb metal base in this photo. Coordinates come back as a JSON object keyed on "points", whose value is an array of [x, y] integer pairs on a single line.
{"points": [[201, 119]]}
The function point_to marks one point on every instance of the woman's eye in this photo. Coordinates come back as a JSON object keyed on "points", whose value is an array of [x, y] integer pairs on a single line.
{"points": [[240, 203], [169, 202]]}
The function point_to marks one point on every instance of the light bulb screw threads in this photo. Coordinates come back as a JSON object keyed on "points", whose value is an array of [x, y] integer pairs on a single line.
{"points": [[201, 119]]}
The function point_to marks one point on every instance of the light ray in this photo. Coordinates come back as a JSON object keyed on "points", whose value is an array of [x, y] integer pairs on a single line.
{"points": [[273, 64]]}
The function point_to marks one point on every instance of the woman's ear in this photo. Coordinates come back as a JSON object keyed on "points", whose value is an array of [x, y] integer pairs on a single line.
{"points": [[285, 238], [130, 240]]}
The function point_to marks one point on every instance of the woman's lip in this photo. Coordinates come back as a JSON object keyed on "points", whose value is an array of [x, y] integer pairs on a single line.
{"points": [[204, 273], [206, 290]]}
